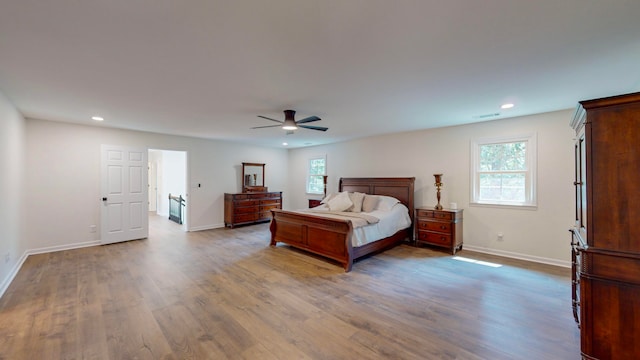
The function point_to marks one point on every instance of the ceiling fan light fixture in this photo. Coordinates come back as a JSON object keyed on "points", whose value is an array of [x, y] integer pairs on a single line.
{"points": [[289, 124]]}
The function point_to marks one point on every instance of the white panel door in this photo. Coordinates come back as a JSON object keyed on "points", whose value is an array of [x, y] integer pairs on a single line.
{"points": [[124, 194]]}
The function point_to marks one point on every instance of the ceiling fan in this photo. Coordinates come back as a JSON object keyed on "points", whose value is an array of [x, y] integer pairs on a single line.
{"points": [[290, 124]]}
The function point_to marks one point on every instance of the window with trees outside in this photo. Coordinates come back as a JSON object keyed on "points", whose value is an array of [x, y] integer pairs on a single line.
{"points": [[316, 171], [503, 171]]}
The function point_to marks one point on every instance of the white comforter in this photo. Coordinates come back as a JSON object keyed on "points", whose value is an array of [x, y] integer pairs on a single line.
{"points": [[389, 222]]}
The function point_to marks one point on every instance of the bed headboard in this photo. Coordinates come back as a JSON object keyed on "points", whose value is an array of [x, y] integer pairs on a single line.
{"points": [[400, 188]]}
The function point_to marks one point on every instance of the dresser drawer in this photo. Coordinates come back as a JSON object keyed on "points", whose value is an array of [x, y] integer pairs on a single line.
{"points": [[434, 238], [240, 218], [246, 209], [267, 208], [238, 203], [250, 207], [270, 202], [444, 227]]}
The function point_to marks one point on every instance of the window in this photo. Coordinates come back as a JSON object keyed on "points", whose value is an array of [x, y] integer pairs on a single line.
{"points": [[503, 171], [315, 175]]}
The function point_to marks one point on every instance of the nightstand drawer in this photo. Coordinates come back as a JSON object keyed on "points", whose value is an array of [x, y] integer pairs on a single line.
{"points": [[434, 226], [434, 238], [442, 215], [425, 213]]}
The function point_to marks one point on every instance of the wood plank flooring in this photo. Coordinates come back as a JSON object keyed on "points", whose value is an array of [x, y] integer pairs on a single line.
{"points": [[225, 294]]}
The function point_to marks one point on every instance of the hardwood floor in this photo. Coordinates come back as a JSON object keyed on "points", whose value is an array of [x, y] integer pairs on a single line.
{"points": [[225, 293]]}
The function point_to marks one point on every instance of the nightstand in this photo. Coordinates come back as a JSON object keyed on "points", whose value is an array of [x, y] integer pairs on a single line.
{"points": [[441, 228], [314, 202]]}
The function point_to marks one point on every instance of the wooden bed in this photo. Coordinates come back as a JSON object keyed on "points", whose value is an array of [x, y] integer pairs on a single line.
{"points": [[331, 238]]}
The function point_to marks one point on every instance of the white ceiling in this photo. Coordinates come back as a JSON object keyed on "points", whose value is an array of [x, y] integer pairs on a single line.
{"points": [[207, 68]]}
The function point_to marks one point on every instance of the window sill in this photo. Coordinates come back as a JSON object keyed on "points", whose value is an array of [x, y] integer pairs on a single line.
{"points": [[504, 206]]}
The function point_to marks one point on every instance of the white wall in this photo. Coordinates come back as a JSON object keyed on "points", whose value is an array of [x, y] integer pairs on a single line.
{"points": [[62, 178], [539, 235], [11, 157]]}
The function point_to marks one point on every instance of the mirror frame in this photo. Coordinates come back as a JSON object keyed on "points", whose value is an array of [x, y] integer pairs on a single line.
{"points": [[253, 188]]}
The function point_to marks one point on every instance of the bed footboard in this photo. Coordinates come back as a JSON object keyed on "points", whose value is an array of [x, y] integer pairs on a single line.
{"points": [[330, 238]]}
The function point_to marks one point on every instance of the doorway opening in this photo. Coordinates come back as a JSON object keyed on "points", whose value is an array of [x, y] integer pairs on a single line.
{"points": [[168, 177]]}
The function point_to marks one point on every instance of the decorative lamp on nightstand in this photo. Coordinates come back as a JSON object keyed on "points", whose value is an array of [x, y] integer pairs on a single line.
{"points": [[324, 182], [438, 184]]}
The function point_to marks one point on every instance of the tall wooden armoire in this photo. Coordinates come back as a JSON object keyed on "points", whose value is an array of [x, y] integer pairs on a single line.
{"points": [[606, 235]]}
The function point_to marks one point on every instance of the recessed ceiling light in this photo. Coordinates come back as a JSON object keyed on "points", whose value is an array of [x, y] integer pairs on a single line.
{"points": [[97, 118], [285, 144], [507, 106]]}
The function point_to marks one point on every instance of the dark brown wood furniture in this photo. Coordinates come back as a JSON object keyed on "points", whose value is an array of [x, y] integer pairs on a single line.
{"points": [[441, 228], [250, 208], [253, 177], [331, 237], [314, 202], [605, 242]]}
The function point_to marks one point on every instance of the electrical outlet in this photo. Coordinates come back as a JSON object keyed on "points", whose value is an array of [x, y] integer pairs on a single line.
{"points": [[7, 257], [92, 228], [500, 236]]}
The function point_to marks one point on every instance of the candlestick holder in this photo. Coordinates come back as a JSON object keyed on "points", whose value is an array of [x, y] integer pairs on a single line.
{"points": [[438, 185], [324, 182]]}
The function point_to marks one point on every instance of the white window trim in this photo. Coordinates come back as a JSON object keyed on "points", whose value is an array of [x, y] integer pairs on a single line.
{"points": [[531, 179], [306, 182]]}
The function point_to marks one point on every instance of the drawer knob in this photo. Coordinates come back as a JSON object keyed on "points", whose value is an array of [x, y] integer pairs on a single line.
{"points": [[442, 227]]}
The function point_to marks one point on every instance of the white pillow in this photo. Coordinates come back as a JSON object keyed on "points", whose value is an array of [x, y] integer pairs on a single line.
{"points": [[370, 202], [340, 202], [327, 198], [386, 202], [357, 199]]}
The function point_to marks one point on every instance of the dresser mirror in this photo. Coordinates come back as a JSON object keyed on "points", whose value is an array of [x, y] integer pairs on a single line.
{"points": [[253, 177]]}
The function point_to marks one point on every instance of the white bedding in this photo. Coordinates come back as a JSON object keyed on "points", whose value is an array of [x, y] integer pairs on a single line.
{"points": [[390, 222]]}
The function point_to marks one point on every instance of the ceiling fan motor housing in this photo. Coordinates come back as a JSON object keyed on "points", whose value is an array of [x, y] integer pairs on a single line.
{"points": [[289, 115]]}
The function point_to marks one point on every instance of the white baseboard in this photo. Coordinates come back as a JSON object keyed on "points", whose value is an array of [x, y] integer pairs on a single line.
{"points": [[49, 249], [12, 274], [206, 227], [513, 255]]}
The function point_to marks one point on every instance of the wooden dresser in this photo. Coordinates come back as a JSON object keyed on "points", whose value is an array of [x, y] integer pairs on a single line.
{"points": [[250, 208], [439, 227], [605, 241]]}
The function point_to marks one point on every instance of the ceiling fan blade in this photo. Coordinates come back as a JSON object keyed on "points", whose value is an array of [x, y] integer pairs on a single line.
{"points": [[308, 120], [268, 126], [314, 127], [264, 117]]}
